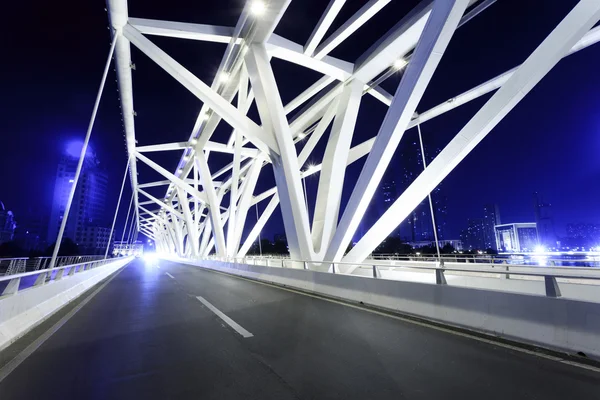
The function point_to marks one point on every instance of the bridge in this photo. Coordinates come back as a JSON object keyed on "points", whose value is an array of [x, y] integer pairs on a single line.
{"points": [[203, 318]]}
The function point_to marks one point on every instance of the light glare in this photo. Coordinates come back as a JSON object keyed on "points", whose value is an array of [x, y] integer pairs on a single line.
{"points": [[258, 8], [400, 63]]}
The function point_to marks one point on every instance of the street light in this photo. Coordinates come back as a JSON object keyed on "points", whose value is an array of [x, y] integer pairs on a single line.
{"points": [[400, 63], [258, 8]]}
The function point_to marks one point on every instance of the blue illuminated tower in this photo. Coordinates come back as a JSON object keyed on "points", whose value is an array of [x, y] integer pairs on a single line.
{"points": [[87, 224]]}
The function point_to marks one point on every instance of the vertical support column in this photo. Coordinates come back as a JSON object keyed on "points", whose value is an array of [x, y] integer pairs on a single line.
{"points": [[331, 181], [245, 199], [213, 203], [285, 165], [233, 195], [192, 232]]}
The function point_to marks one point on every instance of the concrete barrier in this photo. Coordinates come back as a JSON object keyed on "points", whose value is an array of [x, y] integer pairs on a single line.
{"points": [[560, 324], [24, 310]]}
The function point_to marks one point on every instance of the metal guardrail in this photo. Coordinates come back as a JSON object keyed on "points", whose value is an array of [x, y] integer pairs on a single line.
{"points": [[25, 280], [552, 288], [11, 266], [545, 259]]}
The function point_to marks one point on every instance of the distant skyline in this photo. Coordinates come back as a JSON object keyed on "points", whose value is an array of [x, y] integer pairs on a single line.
{"points": [[549, 143]]}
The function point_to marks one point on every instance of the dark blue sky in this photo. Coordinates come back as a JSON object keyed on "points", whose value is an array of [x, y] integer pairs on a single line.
{"points": [[549, 143]]}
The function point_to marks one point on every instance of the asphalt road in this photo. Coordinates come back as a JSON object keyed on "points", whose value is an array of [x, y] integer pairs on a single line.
{"points": [[146, 335]]}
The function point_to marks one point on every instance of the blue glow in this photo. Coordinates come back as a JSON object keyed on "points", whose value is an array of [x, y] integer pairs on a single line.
{"points": [[74, 148]]}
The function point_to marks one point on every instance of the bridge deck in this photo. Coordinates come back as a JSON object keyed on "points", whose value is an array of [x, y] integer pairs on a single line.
{"points": [[146, 335]]}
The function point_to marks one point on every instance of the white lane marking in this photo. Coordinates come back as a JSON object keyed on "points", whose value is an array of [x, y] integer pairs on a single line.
{"points": [[157, 266], [169, 275], [22, 356], [238, 328], [415, 322]]}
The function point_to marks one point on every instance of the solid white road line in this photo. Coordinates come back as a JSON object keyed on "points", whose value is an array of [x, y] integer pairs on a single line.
{"points": [[239, 329], [22, 356], [169, 275]]}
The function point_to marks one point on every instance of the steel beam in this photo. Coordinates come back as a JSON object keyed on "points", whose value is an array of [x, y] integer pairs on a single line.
{"points": [[441, 24], [583, 16]]}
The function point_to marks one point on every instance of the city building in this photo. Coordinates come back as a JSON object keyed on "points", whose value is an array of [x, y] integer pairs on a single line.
{"points": [[491, 218], [94, 239], [474, 236], [587, 234], [7, 224], [456, 243], [87, 214], [418, 226], [517, 237], [543, 219], [581, 236]]}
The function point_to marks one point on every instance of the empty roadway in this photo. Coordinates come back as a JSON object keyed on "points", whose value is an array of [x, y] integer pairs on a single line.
{"points": [[147, 335]]}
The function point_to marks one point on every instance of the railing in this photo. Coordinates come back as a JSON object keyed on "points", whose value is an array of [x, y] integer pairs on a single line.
{"points": [[11, 284], [506, 271], [11, 266], [543, 259]]}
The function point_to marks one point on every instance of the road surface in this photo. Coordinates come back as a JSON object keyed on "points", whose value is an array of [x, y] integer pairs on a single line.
{"points": [[172, 331]]}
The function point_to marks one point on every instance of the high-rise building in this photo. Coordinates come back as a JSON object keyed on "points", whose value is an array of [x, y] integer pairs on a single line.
{"points": [[583, 235], [418, 225], [7, 224], [87, 214], [491, 218], [388, 195], [473, 237], [543, 219]]}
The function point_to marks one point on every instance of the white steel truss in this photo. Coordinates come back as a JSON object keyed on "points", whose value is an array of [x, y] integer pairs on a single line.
{"points": [[205, 209]]}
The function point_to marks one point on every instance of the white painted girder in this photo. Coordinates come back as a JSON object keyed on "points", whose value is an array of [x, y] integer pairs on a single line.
{"points": [[583, 16], [365, 13], [183, 30], [244, 203], [202, 91], [331, 181], [118, 15], [441, 24], [285, 165], [213, 203], [193, 240], [161, 203], [312, 121], [174, 179], [332, 10]]}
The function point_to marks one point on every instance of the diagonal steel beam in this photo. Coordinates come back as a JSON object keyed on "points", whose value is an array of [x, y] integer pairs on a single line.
{"points": [[228, 112], [581, 18], [441, 24]]}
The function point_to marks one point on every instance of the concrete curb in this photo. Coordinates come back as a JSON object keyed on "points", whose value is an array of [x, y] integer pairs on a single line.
{"points": [[558, 324], [21, 312]]}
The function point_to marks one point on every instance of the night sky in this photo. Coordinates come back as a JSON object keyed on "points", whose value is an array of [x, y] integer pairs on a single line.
{"points": [[54, 54]]}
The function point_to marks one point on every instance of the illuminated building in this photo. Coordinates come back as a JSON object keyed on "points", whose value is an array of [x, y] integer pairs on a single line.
{"points": [[87, 223], [517, 237]]}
